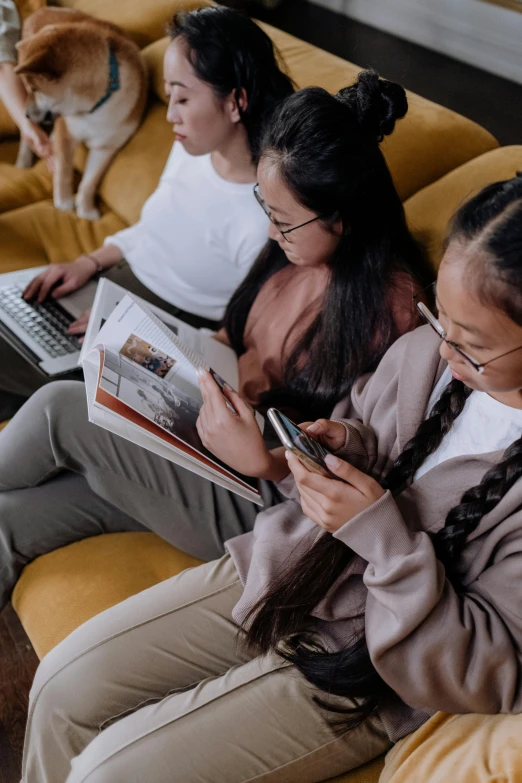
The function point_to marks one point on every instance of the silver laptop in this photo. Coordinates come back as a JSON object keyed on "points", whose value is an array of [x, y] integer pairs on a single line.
{"points": [[39, 331]]}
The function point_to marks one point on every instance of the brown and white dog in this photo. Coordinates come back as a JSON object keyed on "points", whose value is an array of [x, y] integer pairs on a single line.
{"points": [[91, 79]]}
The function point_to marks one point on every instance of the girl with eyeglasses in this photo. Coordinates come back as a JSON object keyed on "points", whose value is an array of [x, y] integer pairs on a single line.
{"points": [[357, 608], [320, 307]]}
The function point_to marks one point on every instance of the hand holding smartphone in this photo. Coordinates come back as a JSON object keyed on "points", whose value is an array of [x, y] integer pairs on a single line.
{"points": [[308, 450]]}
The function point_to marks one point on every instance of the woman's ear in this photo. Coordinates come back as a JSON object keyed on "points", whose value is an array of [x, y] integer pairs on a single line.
{"points": [[337, 227], [238, 104]]}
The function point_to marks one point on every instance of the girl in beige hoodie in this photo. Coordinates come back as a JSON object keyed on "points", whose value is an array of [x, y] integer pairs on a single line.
{"points": [[356, 608]]}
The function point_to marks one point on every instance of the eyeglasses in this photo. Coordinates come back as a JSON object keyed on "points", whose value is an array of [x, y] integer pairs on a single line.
{"points": [[267, 212], [437, 327]]}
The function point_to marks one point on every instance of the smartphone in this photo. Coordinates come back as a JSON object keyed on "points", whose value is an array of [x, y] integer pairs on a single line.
{"points": [[308, 450]]}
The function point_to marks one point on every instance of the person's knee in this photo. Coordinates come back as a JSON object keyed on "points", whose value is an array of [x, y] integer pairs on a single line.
{"points": [[60, 408], [61, 687], [57, 397], [86, 768], [12, 562]]}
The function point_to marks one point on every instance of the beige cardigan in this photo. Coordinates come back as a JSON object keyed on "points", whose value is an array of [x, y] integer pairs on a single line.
{"points": [[437, 648]]}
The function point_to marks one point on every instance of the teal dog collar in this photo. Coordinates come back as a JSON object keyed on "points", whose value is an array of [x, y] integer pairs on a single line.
{"points": [[114, 81]]}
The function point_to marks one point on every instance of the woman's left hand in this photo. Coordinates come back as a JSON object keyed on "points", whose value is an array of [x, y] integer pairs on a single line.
{"points": [[235, 438], [330, 503]]}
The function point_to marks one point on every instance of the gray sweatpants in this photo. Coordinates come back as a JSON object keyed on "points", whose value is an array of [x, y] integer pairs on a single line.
{"points": [[158, 690], [63, 479]]}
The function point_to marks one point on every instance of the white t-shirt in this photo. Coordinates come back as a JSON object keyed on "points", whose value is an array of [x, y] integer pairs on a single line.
{"points": [[484, 425], [197, 236]]}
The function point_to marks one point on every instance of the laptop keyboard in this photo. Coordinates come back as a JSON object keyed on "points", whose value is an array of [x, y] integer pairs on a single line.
{"points": [[46, 323]]}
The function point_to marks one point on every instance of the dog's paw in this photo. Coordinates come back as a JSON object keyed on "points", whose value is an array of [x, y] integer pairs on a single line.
{"points": [[65, 204], [88, 213], [86, 209]]}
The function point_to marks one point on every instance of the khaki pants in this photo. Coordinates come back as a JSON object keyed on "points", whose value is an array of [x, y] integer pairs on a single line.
{"points": [[158, 690]]}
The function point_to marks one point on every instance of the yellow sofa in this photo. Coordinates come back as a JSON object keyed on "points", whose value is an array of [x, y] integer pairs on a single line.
{"points": [[437, 159]]}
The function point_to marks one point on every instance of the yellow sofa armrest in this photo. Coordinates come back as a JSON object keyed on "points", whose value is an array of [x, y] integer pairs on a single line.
{"points": [[430, 210]]}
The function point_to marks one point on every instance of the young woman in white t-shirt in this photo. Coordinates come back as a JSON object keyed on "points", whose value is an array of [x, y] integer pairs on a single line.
{"points": [[201, 230]]}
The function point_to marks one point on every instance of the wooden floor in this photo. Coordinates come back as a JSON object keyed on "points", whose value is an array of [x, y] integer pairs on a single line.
{"points": [[18, 664]]}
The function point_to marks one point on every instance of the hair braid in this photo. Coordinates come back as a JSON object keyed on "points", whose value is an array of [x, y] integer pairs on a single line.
{"points": [[462, 520], [429, 435]]}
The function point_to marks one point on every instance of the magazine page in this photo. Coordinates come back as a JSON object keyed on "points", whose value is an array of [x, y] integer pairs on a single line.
{"points": [[131, 330], [143, 390], [165, 446], [143, 337], [216, 355]]}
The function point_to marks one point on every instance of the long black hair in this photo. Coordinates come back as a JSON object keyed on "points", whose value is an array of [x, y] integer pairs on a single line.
{"points": [[493, 219], [230, 52], [326, 150]]}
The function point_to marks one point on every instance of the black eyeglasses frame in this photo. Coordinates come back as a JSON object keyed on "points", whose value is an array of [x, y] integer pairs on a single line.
{"points": [[437, 327], [262, 204]]}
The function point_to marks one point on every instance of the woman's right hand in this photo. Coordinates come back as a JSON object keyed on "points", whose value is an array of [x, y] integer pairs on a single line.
{"points": [[331, 434], [60, 279]]}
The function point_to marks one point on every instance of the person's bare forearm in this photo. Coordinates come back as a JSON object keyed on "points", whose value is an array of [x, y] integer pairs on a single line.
{"points": [[12, 93]]}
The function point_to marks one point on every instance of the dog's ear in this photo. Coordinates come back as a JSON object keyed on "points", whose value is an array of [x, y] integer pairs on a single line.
{"points": [[37, 57]]}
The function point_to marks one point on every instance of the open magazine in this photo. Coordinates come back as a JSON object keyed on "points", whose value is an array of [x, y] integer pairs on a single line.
{"points": [[140, 366]]}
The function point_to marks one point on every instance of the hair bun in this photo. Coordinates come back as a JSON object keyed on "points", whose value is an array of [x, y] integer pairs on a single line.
{"points": [[376, 103]]}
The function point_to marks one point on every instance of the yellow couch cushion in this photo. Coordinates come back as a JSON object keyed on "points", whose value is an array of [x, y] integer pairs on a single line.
{"points": [[19, 187], [368, 773], [429, 211], [460, 748], [40, 234], [144, 20], [8, 127], [8, 151], [61, 590]]}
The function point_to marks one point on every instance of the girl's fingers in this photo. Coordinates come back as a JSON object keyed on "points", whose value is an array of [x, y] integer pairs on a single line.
{"points": [[319, 427], [242, 408], [311, 507], [306, 478], [349, 474], [218, 399], [207, 387], [331, 433]]}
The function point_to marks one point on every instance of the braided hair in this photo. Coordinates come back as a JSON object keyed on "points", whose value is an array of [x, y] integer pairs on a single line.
{"points": [[281, 620]]}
